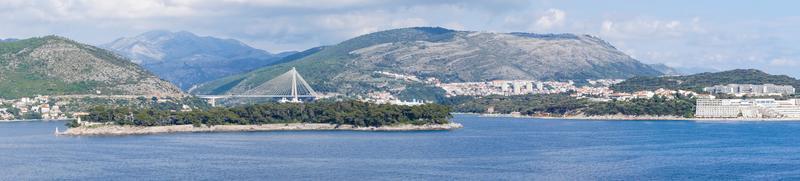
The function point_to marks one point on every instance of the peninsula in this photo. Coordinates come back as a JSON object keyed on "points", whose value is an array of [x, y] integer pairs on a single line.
{"points": [[322, 115]]}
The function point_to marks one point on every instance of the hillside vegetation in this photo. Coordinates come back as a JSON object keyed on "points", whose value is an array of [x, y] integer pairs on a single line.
{"points": [[340, 112], [54, 65], [565, 105], [696, 82]]}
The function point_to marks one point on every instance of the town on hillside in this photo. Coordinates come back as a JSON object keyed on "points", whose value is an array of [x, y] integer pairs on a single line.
{"points": [[61, 107], [718, 101]]}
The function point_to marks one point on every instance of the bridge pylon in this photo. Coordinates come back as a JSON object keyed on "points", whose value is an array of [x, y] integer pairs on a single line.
{"points": [[289, 87]]}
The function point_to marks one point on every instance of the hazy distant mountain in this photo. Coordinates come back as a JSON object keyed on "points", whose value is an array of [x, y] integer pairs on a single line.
{"points": [[451, 56], [187, 59], [8, 40], [664, 69], [667, 70], [54, 65], [694, 70]]}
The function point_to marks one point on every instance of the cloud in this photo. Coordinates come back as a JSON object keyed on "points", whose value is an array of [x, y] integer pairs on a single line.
{"points": [[544, 20], [454, 25], [268, 24], [784, 62], [643, 28], [551, 18], [708, 38], [69, 10]]}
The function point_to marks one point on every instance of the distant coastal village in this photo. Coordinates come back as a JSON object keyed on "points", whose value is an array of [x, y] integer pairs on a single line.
{"points": [[743, 100], [737, 101], [39, 107], [73, 106]]}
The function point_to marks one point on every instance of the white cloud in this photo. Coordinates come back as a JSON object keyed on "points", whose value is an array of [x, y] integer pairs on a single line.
{"points": [[70, 10], [784, 62], [550, 19], [544, 21], [672, 25], [607, 26], [655, 37], [454, 25], [642, 28]]}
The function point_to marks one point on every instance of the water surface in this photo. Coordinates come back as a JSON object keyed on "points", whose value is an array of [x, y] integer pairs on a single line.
{"points": [[486, 149]]}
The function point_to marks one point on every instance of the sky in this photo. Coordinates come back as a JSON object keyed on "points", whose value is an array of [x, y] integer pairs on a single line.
{"points": [[716, 34]]}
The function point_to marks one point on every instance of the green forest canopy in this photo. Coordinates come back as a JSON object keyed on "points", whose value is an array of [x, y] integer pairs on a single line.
{"points": [[563, 104], [340, 112]]}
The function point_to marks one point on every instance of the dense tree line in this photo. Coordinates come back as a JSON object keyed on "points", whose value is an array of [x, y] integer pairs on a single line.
{"points": [[525, 104], [84, 104], [340, 112], [563, 104], [656, 106], [420, 92]]}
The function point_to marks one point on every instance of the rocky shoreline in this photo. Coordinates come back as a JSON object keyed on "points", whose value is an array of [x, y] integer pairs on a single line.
{"points": [[638, 118], [32, 120], [111, 130]]}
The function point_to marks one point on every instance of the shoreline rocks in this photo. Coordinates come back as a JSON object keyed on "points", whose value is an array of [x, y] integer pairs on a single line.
{"points": [[111, 130], [639, 118]]}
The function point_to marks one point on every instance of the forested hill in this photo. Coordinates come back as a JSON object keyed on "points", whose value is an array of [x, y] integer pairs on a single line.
{"points": [[53, 65], [696, 82]]}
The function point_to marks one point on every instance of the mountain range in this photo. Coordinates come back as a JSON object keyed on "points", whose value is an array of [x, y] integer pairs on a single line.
{"points": [[53, 65], [186, 59], [450, 56]]}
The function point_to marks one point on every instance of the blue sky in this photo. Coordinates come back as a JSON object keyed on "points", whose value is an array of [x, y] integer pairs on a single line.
{"points": [[708, 34]]}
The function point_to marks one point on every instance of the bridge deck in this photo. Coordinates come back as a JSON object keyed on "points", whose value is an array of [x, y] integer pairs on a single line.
{"points": [[251, 96]]}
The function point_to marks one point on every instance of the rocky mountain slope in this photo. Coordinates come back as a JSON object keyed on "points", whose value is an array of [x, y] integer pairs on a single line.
{"points": [[54, 65], [186, 59], [450, 56]]}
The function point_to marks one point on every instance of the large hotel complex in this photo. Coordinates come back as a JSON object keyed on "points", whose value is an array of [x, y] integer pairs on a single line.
{"points": [[751, 89], [748, 108]]}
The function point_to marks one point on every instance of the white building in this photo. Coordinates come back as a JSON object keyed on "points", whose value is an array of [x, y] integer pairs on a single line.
{"points": [[750, 89], [747, 108], [722, 108]]}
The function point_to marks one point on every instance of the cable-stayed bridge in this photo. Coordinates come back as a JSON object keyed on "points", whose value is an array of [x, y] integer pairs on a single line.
{"points": [[289, 87]]}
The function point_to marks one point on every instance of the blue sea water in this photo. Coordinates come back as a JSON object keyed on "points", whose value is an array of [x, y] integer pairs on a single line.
{"points": [[485, 149]]}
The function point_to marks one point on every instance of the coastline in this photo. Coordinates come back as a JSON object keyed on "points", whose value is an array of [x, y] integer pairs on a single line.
{"points": [[643, 118], [32, 120], [117, 130]]}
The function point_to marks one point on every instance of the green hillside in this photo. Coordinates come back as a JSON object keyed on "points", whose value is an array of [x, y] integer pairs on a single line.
{"points": [[54, 65], [696, 82]]}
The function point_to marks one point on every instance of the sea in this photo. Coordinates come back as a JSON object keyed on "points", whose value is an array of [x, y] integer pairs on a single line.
{"points": [[487, 148]]}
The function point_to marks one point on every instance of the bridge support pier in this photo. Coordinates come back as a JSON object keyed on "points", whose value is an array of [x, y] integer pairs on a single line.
{"points": [[213, 102]]}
